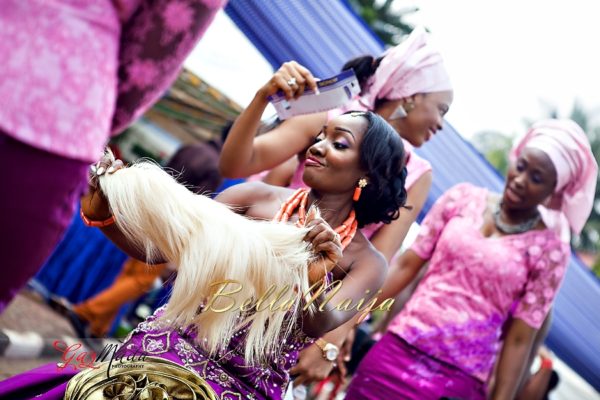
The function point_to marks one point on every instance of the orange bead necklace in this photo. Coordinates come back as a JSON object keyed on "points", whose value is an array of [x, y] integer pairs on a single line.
{"points": [[346, 230]]}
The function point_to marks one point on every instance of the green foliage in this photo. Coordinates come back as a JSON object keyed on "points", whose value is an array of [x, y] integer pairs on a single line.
{"points": [[495, 147], [596, 267], [386, 22]]}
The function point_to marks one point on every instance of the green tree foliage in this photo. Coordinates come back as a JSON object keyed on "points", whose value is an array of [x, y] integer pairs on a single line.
{"points": [[385, 21], [596, 267], [495, 147]]}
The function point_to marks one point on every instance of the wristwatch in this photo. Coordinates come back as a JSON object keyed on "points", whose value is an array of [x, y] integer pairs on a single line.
{"points": [[330, 350]]}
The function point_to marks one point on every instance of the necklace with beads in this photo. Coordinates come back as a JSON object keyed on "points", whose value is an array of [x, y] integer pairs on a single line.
{"points": [[511, 229], [299, 199]]}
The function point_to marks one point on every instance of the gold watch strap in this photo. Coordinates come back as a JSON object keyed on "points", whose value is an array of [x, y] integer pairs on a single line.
{"points": [[321, 343]]}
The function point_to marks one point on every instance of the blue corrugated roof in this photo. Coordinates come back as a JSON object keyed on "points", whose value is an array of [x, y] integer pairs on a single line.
{"points": [[317, 34], [323, 35]]}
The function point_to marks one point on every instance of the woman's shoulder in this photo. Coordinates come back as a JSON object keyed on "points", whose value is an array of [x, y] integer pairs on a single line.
{"points": [[466, 188], [548, 239], [364, 253], [463, 194]]}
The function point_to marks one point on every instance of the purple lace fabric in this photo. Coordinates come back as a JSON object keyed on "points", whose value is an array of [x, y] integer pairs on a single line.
{"points": [[228, 373]]}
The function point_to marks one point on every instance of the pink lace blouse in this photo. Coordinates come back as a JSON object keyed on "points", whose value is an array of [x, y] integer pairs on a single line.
{"points": [[457, 312]]}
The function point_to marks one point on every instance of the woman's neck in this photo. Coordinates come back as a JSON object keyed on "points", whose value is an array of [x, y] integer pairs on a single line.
{"points": [[334, 208], [517, 216]]}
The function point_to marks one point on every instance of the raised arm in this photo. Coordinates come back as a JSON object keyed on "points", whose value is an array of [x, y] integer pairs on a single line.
{"points": [[243, 154]]}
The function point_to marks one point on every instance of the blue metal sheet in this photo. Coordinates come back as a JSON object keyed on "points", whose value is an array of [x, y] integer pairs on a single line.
{"points": [[322, 35]]}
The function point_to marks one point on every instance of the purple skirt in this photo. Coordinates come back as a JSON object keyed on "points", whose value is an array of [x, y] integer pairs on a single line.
{"points": [[47, 382], [393, 369]]}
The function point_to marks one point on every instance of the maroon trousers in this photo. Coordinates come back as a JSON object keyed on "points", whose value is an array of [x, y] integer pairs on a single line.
{"points": [[38, 193]]}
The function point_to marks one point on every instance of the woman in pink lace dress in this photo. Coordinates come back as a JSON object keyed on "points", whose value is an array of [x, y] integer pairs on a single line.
{"points": [[491, 259], [73, 72]]}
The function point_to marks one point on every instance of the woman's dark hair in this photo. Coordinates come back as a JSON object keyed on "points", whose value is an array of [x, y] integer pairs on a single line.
{"points": [[364, 67], [382, 155]]}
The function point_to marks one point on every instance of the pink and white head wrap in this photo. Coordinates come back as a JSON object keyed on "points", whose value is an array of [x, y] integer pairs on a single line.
{"points": [[414, 66], [568, 148]]}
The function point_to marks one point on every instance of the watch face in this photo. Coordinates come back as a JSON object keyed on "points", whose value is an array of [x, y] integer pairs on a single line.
{"points": [[331, 353]]}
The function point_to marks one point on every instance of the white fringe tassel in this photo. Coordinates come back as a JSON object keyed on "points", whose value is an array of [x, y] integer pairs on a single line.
{"points": [[210, 243]]}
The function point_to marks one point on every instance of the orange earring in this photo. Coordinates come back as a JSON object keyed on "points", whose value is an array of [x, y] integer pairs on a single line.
{"points": [[361, 184]]}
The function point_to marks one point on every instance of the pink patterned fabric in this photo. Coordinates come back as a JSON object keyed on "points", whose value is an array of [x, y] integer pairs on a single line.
{"points": [[457, 312], [58, 76], [414, 66], [154, 44], [66, 61]]}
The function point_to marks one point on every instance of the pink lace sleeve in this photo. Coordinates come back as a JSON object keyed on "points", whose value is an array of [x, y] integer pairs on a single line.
{"points": [[416, 165], [154, 43], [442, 211], [548, 265]]}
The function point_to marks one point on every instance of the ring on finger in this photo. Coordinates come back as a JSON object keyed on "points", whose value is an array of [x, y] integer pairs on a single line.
{"points": [[292, 82]]}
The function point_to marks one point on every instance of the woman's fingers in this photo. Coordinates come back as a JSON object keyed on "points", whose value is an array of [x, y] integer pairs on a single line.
{"points": [[309, 79], [292, 79], [280, 83], [296, 80], [315, 227], [326, 236], [331, 254], [117, 165], [106, 165], [324, 240]]}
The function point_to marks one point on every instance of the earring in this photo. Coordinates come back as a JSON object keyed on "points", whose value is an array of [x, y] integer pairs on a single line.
{"points": [[398, 113], [409, 106], [361, 184]]}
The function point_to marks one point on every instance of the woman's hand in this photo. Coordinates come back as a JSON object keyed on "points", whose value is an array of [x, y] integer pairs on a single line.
{"points": [[292, 79], [93, 204], [326, 244], [311, 366]]}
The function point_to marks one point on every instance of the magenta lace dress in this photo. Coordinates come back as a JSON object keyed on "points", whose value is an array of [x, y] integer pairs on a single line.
{"points": [[473, 284]]}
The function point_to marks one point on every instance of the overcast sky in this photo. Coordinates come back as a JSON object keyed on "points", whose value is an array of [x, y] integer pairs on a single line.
{"points": [[504, 57]]}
